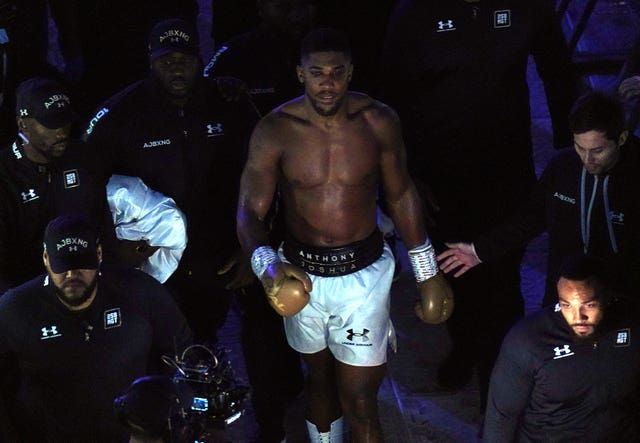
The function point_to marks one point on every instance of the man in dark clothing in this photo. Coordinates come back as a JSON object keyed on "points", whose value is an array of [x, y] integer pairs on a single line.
{"points": [[42, 174], [569, 373], [79, 335], [456, 73], [584, 199], [175, 131]]}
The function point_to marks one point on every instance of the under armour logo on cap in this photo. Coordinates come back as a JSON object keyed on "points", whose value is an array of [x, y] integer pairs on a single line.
{"points": [[173, 35], [70, 242], [45, 101]]}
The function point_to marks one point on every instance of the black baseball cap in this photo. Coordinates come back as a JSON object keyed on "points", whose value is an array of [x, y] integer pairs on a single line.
{"points": [[173, 35], [71, 242], [44, 100]]}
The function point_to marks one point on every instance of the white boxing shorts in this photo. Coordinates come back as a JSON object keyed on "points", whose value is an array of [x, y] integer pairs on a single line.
{"points": [[349, 313]]}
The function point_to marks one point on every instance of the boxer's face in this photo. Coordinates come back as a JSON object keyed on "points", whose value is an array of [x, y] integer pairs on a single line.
{"points": [[579, 306], [326, 77], [598, 153]]}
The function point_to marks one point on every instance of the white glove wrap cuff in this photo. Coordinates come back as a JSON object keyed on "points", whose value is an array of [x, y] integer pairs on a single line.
{"points": [[423, 261], [262, 257]]}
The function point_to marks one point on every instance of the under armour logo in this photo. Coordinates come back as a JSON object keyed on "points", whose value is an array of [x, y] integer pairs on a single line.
{"points": [[561, 352], [445, 25], [617, 218], [49, 333], [362, 335], [73, 248], [214, 130], [174, 39], [29, 195], [24, 113]]}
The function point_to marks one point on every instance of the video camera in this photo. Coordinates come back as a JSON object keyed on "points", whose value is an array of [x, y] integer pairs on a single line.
{"points": [[218, 400]]}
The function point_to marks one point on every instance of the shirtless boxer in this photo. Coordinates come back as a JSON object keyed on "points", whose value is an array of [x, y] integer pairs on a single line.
{"points": [[327, 151]]}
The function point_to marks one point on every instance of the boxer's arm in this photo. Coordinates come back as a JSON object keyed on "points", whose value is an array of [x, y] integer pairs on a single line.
{"points": [[405, 209], [404, 205], [257, 189], [257, 186]]}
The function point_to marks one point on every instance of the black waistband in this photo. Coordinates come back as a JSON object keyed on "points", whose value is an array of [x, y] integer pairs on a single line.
{"points": [[334, 262]]}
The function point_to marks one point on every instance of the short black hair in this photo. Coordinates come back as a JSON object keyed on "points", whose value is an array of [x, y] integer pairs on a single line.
{"points": [[589, 269], [597, 111], [325, 40]]}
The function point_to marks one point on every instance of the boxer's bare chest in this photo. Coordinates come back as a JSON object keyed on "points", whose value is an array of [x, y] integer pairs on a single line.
{"points": [[344, 155]]}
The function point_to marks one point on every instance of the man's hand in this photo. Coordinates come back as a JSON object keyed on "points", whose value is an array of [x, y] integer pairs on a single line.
{"points": [[629, 87], [242, 275], [287, 288], [460, 257], [134, 253], [436, 300]]}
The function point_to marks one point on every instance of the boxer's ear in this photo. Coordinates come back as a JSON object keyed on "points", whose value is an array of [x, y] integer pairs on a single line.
{"points": [[300, 74]]}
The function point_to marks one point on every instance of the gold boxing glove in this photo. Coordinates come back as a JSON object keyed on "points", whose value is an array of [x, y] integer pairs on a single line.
{"points": [[436, 300], [290, 298]]}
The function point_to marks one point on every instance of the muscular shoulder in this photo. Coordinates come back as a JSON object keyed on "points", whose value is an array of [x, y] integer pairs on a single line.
{"points": [[287, 115], [381, 119], [372, 110]]}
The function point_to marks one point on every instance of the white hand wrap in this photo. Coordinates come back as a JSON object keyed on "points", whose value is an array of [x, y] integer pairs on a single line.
{"points": [[262, 257], [423, 261]]}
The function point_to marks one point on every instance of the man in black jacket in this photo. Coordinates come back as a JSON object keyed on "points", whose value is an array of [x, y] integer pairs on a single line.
{"points": [[569, 373], [177, 133], [585, 199], [42, 174], [456, 72], [79, 335]]}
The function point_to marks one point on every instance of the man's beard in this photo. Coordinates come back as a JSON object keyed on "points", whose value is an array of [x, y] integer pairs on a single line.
{"points": [[76, 300], [581, 339]]}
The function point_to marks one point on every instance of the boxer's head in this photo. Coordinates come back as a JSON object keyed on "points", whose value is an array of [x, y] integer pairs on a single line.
{"points": [[598, 125], [325, 69]]}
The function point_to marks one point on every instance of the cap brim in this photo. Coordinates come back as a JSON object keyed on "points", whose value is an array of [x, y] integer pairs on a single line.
{"points": [[160, 52], [57, 120], [60, 265]]}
